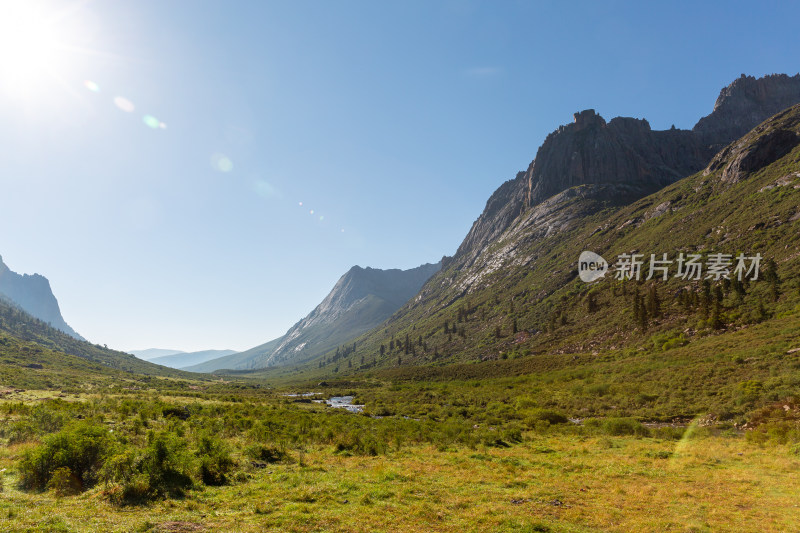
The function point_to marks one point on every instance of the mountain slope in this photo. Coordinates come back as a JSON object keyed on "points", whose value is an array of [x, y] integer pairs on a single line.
{"points": [[528, 280], [518, 294], [360, 300], [33, 294]]}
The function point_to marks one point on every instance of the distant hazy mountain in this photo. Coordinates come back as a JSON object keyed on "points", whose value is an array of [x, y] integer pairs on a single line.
{"points": [[152, 353], [184, 359], [33, 295], [361, 299]]}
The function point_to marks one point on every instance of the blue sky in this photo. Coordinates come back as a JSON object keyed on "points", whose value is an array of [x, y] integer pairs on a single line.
{"points": [[162, 198]]}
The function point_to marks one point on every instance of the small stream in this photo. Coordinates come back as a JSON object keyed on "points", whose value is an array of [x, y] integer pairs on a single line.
{"points": [[339, 402], [344, 402]]}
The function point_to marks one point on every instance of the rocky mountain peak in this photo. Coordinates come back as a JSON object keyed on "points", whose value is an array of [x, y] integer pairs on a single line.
{"points": [[761, 147], [744, 104], [32, 293], [586, 119], [624, 150], [627, 156]]}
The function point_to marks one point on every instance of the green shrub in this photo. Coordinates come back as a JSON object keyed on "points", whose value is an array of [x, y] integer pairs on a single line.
{"points": [[598, 389], [162, 469], [46, 419], [512, 433], [19, 431], [616, 426], [268, 454], [778, 432], [665, 341], [135, 489], [624, 426], [64, 482], [553, 417], [167, 464], [215, 460], [81, 448]]}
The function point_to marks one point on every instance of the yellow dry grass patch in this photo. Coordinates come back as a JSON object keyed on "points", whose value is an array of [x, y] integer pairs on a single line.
{"points": [[552, 483]]}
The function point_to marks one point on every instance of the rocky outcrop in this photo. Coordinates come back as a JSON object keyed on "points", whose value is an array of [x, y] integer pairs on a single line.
{"points": [[744, 104], [626, 151], [762, 146], [32, 293], [502, 208]]}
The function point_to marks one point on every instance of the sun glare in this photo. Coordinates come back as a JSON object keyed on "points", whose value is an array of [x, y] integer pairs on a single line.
{"points": [[31, 46]]}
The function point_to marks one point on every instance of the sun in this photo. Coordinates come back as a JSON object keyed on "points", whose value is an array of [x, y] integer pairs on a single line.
{"points": [[32, 50]]}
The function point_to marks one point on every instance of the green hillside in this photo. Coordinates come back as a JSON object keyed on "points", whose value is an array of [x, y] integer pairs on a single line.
{"points": [[24, 328]]}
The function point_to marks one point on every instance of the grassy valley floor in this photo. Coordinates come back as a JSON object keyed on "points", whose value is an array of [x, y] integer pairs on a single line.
{"points": [[552, 482]]}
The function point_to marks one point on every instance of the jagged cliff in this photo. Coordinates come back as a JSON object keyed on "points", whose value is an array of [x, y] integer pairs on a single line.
{"points": [[627, 154], [762, 146], [744, 104], [32, 293]]}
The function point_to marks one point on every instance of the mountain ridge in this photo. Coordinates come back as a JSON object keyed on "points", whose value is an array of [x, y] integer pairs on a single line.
{"points": [[510, 295], [361, 299], [627, 151], [32, 293], [523, 298]]}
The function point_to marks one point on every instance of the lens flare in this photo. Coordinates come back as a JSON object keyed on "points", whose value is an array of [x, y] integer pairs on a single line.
{"points": [[300, 204], [124, 104], [311, 212], [151, 121], [92, 86], [221, 162], [264, 189]]}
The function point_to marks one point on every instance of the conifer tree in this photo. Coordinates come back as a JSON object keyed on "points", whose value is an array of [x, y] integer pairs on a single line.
{"points": [[591, 302], [653, 302], [716, 319], [643, 318]]}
